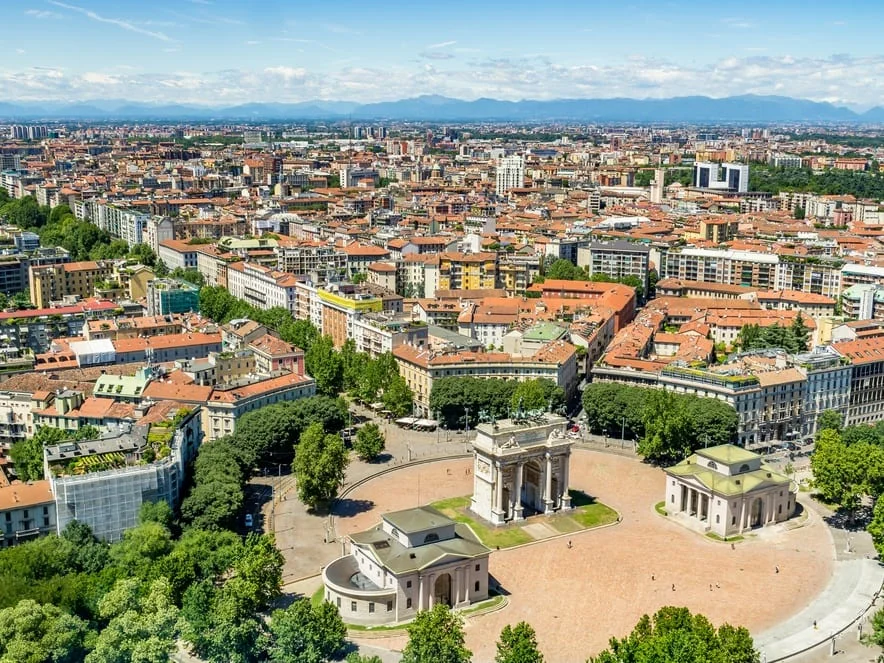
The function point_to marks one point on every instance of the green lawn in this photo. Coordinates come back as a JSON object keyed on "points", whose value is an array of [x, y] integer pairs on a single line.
{"points": [[318, 597], [660, 507], [730, 539], [587, 513]]}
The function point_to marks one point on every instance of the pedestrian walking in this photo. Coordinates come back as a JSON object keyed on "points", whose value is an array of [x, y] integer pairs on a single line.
{"points": [[569, 544]]}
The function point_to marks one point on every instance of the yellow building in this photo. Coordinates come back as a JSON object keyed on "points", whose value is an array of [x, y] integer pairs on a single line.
{"points": [[54, 282], [467, 271], [340, 308]]}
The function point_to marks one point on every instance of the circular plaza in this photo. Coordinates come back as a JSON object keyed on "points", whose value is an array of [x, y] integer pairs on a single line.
{"points": [[580, 590]]}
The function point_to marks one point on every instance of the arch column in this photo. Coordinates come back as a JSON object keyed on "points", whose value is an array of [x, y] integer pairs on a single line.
{"points": [[421, 592], [548, 501], [517, 489], [566, 477]]}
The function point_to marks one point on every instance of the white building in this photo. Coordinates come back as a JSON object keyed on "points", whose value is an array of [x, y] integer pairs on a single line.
{"points": [[413, 560], [261, 286], [510, 173], [726, 490]]}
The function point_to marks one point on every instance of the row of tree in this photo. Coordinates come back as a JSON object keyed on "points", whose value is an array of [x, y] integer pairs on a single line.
{"points": [[461, 401], [667, 426], [672, 635], [828, 182], [363, 377]]}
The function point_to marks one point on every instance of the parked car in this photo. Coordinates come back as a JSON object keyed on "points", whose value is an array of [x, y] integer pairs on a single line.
{"points": [[249, 520]]}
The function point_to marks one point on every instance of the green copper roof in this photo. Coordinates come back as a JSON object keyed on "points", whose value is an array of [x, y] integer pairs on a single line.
{"points": [[419, 519], [728, 454], [400, 560], [723, 484]]}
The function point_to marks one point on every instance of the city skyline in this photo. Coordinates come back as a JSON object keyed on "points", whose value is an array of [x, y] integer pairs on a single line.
{"points": [[217, 52]]}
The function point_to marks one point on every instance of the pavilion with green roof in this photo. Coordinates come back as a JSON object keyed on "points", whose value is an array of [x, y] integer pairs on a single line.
{"points": [[728, 490]]}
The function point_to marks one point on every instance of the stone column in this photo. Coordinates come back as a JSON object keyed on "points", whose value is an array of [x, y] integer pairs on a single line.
{"points": [[422, 592], [432, 591], [455, 600], [517, 489], [497, 511], [742, 514], [566, 477], [548, 501], [466, 584]]}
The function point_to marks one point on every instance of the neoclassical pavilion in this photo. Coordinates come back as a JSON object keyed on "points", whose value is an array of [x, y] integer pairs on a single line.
{"points": [[411, 561], [521, 467], [727, 490]]}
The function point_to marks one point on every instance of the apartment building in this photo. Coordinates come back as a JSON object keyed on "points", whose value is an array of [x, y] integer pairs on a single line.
{"points": [[261, 286], [811, 274], [467, 271], [864, 301], [377, 333], [27, 510], [828, 383], [853, 274], [14, 268], [35, 329], [866, 357], [340, 305], [745, 268], [51, 283], [555, 361], [321, 262], [178, 254], [104, 482], [616, 259], [229, 402], [510, 174]]}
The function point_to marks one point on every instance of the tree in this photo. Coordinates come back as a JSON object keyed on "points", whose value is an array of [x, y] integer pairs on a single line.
{"points": [[306, 633], [324, 365], [564, 270], [156, 512], [878, 627], [221, 627], [369, 442], [141, 548], [398, 397], [319, 465], [300, 333], [34, 633], [356, 657], [540, 394], [142, 626], [669, 434], [518, 644], [192, 276], [259, 570], [674, 635], [798, 213], [27, 455], [829, 420], [436, 636]]}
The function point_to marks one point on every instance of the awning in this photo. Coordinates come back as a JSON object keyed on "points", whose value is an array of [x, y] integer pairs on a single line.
{"points": [[407, 421]]}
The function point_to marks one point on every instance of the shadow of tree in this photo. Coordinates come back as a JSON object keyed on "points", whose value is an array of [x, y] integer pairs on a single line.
{"points": [[347, 508]]}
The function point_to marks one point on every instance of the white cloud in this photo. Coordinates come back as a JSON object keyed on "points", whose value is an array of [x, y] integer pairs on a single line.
{"points": [[842, 79], [20, 51], [441, 44], [42, 13], [125, 25]]}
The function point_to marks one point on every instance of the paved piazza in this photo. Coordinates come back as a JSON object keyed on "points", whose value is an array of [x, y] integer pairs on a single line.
{"points": [[578, 598]]}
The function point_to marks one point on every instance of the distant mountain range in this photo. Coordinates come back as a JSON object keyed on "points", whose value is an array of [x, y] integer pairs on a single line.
{"points": [[740, 109]]}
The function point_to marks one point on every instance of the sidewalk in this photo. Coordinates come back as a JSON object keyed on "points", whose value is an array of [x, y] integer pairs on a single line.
{"points": [[856, 581]]}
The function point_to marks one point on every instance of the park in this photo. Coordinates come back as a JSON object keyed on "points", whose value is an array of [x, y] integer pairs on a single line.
{"points": [[576, 584]]}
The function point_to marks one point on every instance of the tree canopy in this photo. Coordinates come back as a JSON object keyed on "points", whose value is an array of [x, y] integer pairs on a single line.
{"points": [[369, 442], [667, 426], [436, 636], [319, 465], [518, 644], [674, 635]]}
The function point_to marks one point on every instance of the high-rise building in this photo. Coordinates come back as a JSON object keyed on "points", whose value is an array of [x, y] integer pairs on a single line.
{"points": [[727, 176], [510, 173]]}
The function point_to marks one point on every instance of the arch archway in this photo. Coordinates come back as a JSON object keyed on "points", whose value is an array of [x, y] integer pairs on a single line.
{"points": [[442, 590]]}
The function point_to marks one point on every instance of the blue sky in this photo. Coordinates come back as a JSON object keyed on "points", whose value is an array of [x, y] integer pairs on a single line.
{"points": [[226, 51]]}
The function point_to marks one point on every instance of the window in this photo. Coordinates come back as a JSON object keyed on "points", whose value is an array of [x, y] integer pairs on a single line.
{"points": [[717, 519], [371, 607], [408, 603], [478, 567], [431, 537], [712, 465], [477, 586], [733, 520], [408, 584], [352, 606], [780, 509], [389, 606], [672, 499]]}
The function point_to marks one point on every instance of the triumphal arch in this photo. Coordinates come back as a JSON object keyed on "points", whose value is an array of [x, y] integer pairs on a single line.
{"points": [[521, 467]]}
